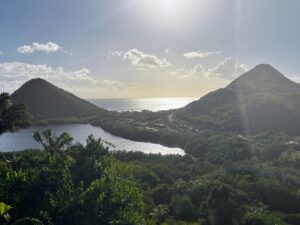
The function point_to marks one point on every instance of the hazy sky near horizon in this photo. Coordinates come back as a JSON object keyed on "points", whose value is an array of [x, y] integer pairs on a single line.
{"points": [[145, 48]]}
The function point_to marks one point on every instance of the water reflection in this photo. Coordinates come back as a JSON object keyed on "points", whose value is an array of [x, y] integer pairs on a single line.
{"points": [[23, 139]]}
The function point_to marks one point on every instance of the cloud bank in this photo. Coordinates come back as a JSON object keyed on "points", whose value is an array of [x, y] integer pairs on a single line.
{"points": [[228, 69], [14, 74], [49, 47]]}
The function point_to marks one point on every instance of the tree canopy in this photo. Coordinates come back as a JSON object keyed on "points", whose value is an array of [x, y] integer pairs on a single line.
{"points": [[12, 116]]}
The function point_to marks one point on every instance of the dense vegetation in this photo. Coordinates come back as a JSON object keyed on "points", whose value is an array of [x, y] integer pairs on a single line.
{"points": [[235, 181], [68, 184], [12, 116], [242, 185]]}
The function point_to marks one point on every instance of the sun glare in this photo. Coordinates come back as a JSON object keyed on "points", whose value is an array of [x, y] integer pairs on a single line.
{"points": [[162, 8], [172, 12]]}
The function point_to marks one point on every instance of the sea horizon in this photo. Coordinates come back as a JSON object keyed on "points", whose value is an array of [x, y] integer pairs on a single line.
{"points": [[140, 104]]}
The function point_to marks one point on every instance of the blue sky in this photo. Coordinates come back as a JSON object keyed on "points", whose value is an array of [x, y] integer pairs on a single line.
{"points": [[145, 48]]}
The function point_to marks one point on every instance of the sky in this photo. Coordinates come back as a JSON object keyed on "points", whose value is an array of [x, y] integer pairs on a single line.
{"points": [[145, 48]]}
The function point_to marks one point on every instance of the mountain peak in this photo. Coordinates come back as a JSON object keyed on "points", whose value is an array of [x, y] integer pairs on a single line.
{"points": [[262, 77], [264, 66], [265, 70], [36, 83], [46, 101], [35, 80], [261, 100]]}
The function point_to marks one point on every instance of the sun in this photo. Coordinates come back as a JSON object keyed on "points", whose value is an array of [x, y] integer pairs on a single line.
{"points": [[171, 13], [161, 10], [161, 6]]}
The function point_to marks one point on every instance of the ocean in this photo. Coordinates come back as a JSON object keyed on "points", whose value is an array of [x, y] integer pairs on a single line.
{"points": [[140, 104]]}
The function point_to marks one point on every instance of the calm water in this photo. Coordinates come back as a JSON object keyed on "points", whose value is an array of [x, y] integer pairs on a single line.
{"points": [[23, 139], [152, 104]]}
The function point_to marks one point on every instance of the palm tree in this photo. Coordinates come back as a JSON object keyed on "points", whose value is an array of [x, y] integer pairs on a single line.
{"points": [[51, 142], [12, 116]]}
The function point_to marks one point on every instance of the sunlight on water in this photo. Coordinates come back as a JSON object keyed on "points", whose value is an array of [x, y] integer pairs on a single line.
{"points": [[152, 104]]}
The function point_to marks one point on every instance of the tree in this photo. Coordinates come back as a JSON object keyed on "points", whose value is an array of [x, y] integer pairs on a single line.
{"points": [[226, 205], [51, 142], [12, 116], [71, 184], [182, 208]]}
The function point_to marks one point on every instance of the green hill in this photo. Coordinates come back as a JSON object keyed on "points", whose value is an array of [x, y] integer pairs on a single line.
{"points": [[261, 100], [46, 101]]}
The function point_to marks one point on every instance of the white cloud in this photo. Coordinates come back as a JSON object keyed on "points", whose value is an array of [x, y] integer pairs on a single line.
{"points": [[143, 60], [1, 52], [197, 71], [17, 71], [49, 47], [228, 69], [199, 54], [25, 49], [13, 74], [140, 60]]}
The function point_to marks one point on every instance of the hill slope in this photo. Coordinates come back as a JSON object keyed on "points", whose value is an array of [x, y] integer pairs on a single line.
{"points": [[260, 100], [46, 101]]}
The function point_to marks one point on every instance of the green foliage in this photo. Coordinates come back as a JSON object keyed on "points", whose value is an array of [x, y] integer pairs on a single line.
{"points": [[87, 184], [161, 194], [182, 208], [193, 190], [12, 117], [70, 184], [225, 205], [28, 221], [4, 210], [51, 142], [258, 215]]}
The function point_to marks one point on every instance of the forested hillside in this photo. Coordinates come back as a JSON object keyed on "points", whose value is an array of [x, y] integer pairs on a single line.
{"points": [[46, 101], [260, 100]]}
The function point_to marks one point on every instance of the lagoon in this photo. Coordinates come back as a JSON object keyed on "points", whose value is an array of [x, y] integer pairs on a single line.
{"points": [[23, 139]]}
